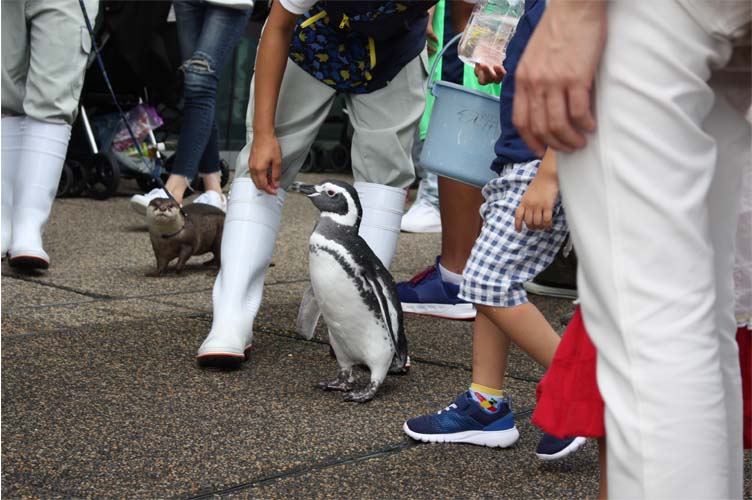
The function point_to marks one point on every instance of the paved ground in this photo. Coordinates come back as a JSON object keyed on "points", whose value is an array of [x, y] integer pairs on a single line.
{"points": [[101, 397]]}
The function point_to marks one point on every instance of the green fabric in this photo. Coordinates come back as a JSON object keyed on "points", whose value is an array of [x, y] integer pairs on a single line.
{"points": [[438, 28], [471, 81]]}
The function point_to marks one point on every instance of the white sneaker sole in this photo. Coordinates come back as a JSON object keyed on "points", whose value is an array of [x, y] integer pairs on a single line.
{"points": [[492, 439], [575, 445], [549, 291], [446, 311], [408, 228], [138, 206]]}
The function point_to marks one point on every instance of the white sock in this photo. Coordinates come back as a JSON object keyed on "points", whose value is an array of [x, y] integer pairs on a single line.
{"points": [[450, 277]]}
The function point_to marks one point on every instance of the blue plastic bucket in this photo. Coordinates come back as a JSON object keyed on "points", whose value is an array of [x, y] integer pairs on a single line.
{"points": [[463, 130]]}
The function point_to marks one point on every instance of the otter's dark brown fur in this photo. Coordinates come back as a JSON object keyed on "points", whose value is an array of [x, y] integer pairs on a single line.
{"points": [[175, 237]]}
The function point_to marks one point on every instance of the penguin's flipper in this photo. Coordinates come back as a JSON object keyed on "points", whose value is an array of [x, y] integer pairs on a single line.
{"points": [[377, 288], [308, 315]]}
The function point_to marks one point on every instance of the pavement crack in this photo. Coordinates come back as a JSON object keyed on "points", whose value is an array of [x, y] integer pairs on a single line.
{"points": [[85, 293], [300, 471], [293, 335]]}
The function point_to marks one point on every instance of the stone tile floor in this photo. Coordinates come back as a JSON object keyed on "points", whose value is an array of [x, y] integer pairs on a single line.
{"points": [[101, 397]]}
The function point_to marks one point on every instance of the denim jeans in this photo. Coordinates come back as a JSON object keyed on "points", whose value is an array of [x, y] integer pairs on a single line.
{"points": [[207, 36]]}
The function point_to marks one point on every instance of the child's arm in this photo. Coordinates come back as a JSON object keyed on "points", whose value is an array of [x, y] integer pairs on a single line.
{"points": [[432, 41], [536, 209], [265, 162]]}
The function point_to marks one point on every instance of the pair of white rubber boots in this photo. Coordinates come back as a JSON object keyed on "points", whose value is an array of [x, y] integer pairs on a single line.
{"points": [[251, 226], [33, 154]]}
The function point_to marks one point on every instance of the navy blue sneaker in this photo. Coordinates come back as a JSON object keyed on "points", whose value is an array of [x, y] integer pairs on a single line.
{"points": [[553, 448], [465, 421], [426, 293]]}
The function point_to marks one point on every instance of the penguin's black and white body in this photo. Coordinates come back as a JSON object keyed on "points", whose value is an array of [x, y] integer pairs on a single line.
{"points": [[355, 292]]}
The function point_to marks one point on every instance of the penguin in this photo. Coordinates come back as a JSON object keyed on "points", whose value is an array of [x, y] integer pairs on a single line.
{"points": [[355, 292]]}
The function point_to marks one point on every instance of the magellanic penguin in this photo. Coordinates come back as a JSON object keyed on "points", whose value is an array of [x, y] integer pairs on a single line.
{"points": [[355, 292]]}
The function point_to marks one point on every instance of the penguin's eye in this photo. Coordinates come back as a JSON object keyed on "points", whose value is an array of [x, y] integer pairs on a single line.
{"points": [[331, 194]]}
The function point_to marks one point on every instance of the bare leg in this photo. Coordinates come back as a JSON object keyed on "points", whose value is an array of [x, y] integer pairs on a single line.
{"points": [[526, 327], [603, 483], [460, 222], [176, 185], [213, 182], [490, 351]]}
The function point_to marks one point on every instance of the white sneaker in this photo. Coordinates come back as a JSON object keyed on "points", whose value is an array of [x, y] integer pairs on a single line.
{"points": [[139, 202], [214, 199], [422, 217]]}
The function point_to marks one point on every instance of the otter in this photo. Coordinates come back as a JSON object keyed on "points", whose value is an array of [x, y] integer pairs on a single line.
{"points": [[174, 235]]}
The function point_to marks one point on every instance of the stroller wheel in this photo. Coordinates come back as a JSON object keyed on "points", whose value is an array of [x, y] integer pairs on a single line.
{"points": [[146, 183], [66, 181], [103, 176], [224, 170], [339, 156], [313, 158], [80, 176]]}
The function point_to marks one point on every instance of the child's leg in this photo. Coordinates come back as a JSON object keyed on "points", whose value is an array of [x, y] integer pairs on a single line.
{"points": [[490, 353], [603, 483], [501, 261], [525, 326], [459, 221]]}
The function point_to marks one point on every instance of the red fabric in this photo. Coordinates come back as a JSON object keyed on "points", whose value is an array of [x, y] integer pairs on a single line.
{"points": [[744, 339], [569, 402]]}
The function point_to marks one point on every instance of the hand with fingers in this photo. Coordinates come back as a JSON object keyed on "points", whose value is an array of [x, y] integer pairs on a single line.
{"points": [[487, 74], [555, 76], [536, 209], [265, 163]]}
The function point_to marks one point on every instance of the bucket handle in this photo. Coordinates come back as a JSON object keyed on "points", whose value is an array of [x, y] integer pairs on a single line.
{"points": [[432, 73]]}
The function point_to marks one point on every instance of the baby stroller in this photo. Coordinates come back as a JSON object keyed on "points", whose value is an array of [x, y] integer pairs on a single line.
{"points": [[140, 52]]}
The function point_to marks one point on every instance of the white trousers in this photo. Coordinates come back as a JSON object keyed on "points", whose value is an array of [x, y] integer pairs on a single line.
{"points": [[651, 203]]}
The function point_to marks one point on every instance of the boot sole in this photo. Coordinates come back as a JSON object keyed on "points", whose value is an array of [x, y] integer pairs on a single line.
{"points": [[28, 262], [223, 359], [492, 439]]}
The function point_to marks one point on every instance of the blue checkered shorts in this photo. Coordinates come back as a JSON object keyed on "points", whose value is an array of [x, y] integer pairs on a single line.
{"points": [[503, 259]]}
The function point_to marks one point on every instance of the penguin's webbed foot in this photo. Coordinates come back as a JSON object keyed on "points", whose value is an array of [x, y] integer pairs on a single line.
{"points": [[364, 395], [343, 382]]}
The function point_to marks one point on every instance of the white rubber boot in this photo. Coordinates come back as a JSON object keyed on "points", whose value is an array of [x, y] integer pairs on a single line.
{"points": [[41, 161], [250, 233], [13, 128], [382, 216], [380, 227]]}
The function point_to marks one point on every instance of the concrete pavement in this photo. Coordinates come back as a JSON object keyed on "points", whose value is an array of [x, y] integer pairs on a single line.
{"points": [[101, 396]]}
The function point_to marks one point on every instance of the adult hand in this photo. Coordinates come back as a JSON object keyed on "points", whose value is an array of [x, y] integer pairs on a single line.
{"points": [[487, 74], [265, 162], [555, 76]]}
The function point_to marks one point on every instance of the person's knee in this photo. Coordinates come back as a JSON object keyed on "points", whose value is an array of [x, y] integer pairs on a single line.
{"points": [[199, 76]]}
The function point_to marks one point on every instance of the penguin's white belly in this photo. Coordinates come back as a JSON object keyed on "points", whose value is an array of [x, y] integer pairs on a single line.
{"points": [[360, 336]]}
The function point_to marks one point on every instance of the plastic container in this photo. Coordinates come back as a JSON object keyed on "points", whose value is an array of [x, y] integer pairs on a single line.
{"points": [[488, 32], [463, 130]]}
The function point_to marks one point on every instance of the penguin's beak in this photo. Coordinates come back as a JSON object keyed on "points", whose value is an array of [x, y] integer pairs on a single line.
{"points": [[306, 189]]}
